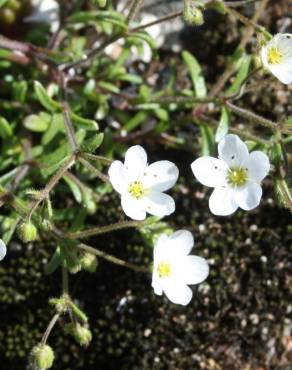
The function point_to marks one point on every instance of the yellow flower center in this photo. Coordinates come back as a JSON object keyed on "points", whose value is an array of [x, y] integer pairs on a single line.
{"points": [[237, 176], [274, 56], [164, 269], [136, 189]]}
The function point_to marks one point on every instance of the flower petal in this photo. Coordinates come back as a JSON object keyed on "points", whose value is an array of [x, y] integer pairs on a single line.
{"points": [[258, 166], [210, 171], [161, 247], [182, 242], [135, 162], [161, 175], [283, 72], [3, 249], [193, 269], [221, 202], [232, 150], [156, 283], [117, 175], [133, 208], [176, 291], [249, 197], [159, 204]]}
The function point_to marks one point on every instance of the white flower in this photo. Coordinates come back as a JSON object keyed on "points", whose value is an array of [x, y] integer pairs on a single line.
{"points": [[277, 57], [3, 249], [45, 11], [174, 269], [236, 176], [141, 185]]}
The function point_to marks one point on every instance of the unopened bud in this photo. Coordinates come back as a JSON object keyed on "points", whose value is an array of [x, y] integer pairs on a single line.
{"points": [[27, 232], [192, 13], [61, 304], [81, 333], [89, 262], [42, 356]]}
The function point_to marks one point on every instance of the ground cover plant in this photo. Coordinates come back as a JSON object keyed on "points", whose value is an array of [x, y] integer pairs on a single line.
{"points": [[145, 190]]}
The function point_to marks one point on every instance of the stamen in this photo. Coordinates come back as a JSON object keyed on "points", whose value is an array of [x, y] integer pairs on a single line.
{"points": [[237, 176], [274, 56], [136, 189], [164, 269]]}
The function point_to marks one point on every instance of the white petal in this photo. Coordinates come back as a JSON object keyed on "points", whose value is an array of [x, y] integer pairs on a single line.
{"points": [[133, 207], [117, 175], [3, 249], [282, 72], [177, 292], [221, 202], [159, 204], [135, 162], [161, 248], [182, 241], [258, 166], [193, 269], [232, 150], [249, 197], [161, 175], [210, 171], [284, 43], [156, 283]]}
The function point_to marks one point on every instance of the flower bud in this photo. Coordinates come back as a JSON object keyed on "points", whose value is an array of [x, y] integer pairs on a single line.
{"points": [[27, 232], [81, 333], [42, 356], [61, 304], [192, 13], [89, 262]]}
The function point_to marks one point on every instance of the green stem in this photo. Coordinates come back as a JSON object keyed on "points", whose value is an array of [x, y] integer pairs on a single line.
{"points": [[112, 258], [52, 183], [95, 157], [94, 170], [104, 229], [50, 327], [157, 21]]}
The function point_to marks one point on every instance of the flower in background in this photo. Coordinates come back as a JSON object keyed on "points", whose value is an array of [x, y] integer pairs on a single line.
{"points": [[236, 176], [277, 57], [3, 249], [141, 185], [45, 11], [174, 269]]}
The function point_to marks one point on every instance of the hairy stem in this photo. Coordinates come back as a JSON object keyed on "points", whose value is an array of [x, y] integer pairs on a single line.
{"points": [[104, 229], [49, 329], [112, 258], [94, 170]]}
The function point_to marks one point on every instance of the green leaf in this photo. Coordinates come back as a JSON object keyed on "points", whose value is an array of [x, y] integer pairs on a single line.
{"points": [[143, 36], [2, 3], [74, 188], [37, 122], [44, 99], [93, 143], [78, 312], [5, 128], [54, 262], [136, 121], [283, 193], [195, 72], [111, 17], [109, 87], [56, 125], [223, 126], [242, 73], [87, 124], [207, 140]]}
